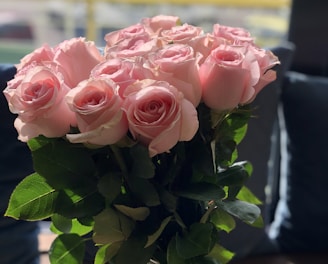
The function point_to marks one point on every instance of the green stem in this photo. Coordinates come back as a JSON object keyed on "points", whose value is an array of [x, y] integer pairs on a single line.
{"points": [[119, 158], [205, 217]]}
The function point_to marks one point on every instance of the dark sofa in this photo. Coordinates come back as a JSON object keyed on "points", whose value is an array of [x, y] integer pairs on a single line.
{"points": [[288, 146]]}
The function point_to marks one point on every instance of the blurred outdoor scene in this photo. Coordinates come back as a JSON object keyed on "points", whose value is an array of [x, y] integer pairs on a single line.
{"points": [[27, 24]]}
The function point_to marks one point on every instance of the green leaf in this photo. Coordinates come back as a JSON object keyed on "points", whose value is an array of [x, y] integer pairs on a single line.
{"points": [[111, 226], [32, 199], [235, 125], [225, 152], [232, 176], [245, 211], [198, 241], [63, 164], [202, 191], [107, 252], [67, 248], [259, 223], [133, 251], [78, 203], [142, 165], [38, 142], [246, 195], [153, 237], [222, 220], [221, 254], [172, 254], [168, 199], [61, 224], [139, 213], [110, 186], [201, 160], [144, 190]]}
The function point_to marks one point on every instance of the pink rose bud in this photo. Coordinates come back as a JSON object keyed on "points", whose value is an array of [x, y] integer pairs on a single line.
{"points": [[228, 76], [266, 60]]}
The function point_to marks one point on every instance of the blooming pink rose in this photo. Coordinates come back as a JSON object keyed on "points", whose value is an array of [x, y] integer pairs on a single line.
{"points": [[178, 65], [44, 53], [122, 71], [158, 115], [228, 77], [114, 37], [137, 45], [180, 34], [20, 75], [235, 35], [77, 57], [205, 43], [160, 22], [38, 101], [266, 60], [97, 106]]}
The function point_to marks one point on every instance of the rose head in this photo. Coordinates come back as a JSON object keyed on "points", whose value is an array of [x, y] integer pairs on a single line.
{"points": [[122, 71], [44, 53], [158, 115], [38, 101], [180, 34], [161, 22], [178, 65], [228, 76], [137, 45], [97, 107], [266, 60], [114, 37], [77, 57], [234, 35]]}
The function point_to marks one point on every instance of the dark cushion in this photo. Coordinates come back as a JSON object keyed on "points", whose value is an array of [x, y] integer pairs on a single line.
{"points": [[307, 30], [301, 217], [15, 158]]}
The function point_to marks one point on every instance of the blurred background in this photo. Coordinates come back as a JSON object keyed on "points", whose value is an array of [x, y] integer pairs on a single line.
{"points": [[27, 24]]}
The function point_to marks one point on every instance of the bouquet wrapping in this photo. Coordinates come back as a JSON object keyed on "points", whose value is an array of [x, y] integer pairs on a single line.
{"points": [[134, 145]]}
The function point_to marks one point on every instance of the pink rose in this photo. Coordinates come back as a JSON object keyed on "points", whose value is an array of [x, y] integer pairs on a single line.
{"points": [[158, 115], [122, 71], [114, 37], [38, 101], [20, 75], [97, 106], [76, 57], [266, 60], [178, 65], [228, 77], [180, 34], [44, 53], [160, 22], [205, 43], [137, 45], [235, 35]]}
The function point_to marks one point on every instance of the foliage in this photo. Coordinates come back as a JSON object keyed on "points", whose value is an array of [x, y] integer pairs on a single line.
{"points": [[169, 208]]}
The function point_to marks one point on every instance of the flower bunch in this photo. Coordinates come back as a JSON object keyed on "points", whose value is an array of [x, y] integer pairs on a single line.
{"points": [[134, 146]]}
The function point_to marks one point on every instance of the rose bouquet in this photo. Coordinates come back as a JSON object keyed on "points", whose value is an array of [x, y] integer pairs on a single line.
{"points": [[134, 145]]}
